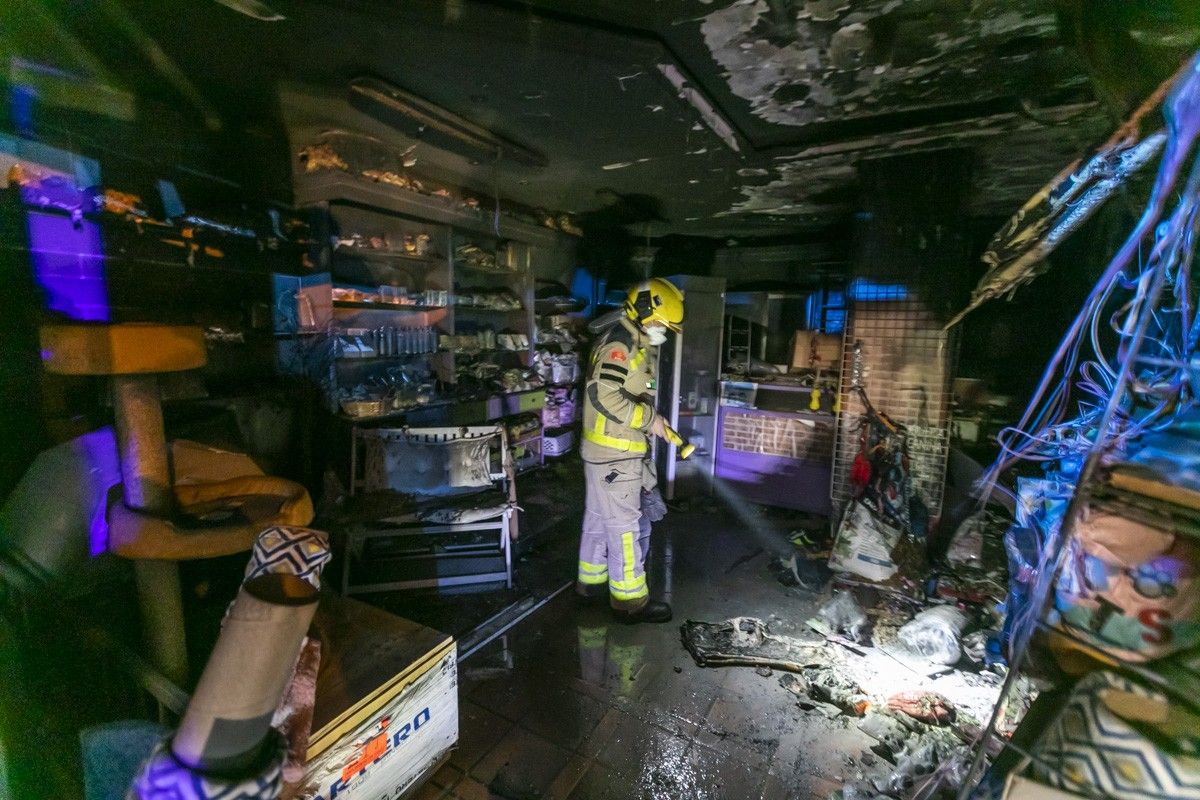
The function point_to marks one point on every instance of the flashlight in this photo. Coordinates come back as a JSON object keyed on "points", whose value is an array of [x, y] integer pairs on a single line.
{"points": [[685, 449]]}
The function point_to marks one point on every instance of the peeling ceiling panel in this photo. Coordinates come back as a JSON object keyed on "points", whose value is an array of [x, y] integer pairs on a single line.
{"points": [[835, 61], [1014, 156]]}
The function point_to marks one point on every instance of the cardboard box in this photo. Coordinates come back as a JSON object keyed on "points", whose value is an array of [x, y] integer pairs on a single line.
{"points": [[386, 713], [827, 348]]}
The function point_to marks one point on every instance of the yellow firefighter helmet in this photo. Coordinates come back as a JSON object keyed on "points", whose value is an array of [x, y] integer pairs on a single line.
{"points": [[655, 300]]}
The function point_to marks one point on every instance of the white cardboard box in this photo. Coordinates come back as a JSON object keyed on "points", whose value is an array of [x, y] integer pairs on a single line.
{"points": [[386, 711]]}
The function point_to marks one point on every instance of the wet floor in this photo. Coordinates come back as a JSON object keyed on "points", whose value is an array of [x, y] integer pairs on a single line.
{"points": [[570, 705]]}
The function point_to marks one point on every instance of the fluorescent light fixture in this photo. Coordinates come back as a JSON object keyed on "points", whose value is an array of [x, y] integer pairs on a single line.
{"points": [[253, 8], [422, 120], [708, 114]]}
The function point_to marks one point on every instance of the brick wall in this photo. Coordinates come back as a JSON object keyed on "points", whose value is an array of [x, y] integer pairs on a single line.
{"points": [[909, 269], [788, 437], [907, 360]]}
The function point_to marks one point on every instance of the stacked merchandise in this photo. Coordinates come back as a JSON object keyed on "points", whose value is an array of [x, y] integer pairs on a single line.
{"points": [[559, 416], [1106, 543], [557, 362], [1125, 615], [559, 370]]}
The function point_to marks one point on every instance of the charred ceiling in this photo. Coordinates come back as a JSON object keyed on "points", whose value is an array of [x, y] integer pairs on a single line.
{"points": [[798, 65], [731, 117]]}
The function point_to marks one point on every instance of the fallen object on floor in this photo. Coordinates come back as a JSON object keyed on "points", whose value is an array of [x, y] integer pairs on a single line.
{"points": [[928, 707], [843, 614], [864, 545], [745, 641], [797, 570], [934, 634], [822, 688], [828, 685], [914, 765]]}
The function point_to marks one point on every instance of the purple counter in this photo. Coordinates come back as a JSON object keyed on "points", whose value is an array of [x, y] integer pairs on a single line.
{"points": [[777, 458]]}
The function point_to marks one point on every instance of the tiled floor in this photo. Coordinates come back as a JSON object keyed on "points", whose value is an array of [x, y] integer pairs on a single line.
{"points": [[571, 706]]}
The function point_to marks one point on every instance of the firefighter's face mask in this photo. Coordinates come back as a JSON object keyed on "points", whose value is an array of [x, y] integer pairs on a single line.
{"points": [[657, 334]]}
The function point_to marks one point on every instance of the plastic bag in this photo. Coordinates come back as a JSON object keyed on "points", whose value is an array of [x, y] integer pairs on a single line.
{"points": [[934, 634], [864, 545], [967, 545], [926, 759], [857, 791], [843, 614]]}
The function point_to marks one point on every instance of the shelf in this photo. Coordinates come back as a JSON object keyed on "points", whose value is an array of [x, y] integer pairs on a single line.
{"points": [[332, 332], [1143, 670], [375, 255], [516, 273], [1143, 481], [290, 334], [395, 307], [337, 186], [485, 309], [397, 414], [397, 357], [486, 352]]}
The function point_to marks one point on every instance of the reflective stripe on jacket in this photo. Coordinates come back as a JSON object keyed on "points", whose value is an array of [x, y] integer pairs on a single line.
{"points": [[618, 404]]}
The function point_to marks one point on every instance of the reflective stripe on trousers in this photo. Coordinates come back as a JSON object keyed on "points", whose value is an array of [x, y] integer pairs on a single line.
{"points": [[610, 548]]}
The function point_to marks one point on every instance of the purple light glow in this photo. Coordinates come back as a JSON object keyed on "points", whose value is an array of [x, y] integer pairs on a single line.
{"points": [[99, 453], [68, 263]]}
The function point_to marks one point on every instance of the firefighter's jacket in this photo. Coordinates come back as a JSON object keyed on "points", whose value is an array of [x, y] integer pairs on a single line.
{"points": [[618, 405]]}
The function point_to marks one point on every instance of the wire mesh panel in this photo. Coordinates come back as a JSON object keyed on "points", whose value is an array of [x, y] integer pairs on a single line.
{"points": [[906, 359], [908, 252]]}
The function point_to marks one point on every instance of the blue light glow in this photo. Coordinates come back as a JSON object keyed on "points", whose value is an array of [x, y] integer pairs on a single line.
{"points": [[863, 289], [585, 285], [66, 250]]}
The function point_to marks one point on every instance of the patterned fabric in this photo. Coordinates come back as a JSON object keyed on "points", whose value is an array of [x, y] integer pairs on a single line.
{"points": [[290, 550], [163, 777], [1090, 746]]}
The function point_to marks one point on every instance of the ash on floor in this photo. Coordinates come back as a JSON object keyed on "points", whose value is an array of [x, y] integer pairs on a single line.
{"points": [[570, 704]]}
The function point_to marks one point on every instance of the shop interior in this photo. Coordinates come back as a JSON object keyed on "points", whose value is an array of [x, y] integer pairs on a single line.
{"points": [[318, 312]]}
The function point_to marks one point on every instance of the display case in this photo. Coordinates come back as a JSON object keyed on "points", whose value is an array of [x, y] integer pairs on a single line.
{"points": [[688, 370], [426, 318], [386, 712]]}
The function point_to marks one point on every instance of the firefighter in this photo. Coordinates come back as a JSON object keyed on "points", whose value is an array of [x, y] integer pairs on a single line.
{"points": [[618, 420]]}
